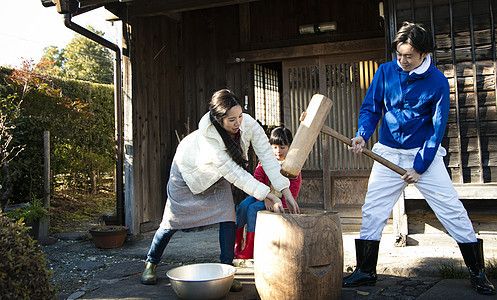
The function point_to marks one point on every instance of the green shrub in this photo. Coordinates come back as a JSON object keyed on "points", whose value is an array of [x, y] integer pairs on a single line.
{"points": [[29, 213], [80, 118], [27, 167], [23, 271]]}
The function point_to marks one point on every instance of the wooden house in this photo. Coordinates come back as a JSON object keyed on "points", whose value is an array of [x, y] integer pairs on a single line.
{"points": [[275, 54]]}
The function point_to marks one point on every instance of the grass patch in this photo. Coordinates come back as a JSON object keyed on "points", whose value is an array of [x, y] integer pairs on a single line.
{"points": [[452, 270], [491, 268], [456, 270], [74, 209]]}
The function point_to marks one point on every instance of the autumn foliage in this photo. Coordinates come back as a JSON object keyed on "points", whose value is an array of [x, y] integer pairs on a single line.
{"points": [[79, 117]]}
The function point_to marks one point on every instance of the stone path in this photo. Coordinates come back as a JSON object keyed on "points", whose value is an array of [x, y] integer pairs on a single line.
{"points": [[404, 273]]}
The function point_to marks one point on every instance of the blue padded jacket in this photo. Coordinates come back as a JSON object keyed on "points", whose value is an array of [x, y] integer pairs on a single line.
{"points": [[415, 108]]}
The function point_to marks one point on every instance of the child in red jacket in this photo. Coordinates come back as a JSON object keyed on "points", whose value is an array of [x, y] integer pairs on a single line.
{"points": [[246, 212]]}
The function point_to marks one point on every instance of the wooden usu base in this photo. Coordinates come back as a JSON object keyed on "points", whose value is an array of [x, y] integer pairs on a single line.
{"points": [[298, 256]]}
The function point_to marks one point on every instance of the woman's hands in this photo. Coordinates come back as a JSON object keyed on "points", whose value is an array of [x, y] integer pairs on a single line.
{"points": [[268, 204], [292, 205], [273, 203]]}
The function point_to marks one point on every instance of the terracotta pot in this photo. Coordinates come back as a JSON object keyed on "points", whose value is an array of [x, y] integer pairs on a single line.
{"points": [[110, 238]]}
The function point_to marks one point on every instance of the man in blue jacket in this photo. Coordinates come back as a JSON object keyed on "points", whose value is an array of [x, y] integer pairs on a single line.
{"points": [[411, 97]]}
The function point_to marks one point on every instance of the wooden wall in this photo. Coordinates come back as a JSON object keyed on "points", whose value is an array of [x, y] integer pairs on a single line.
{"points": [[465, 41], [464, 34], [179, 59], [156, 114], [174, 75], [276, 23], [208, 36]]}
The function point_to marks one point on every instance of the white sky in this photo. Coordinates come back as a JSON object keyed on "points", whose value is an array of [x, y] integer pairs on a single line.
{"points": [[26, 27]]}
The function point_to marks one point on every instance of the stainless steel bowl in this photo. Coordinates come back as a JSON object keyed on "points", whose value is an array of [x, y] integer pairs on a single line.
{"points": [[202, 281]]}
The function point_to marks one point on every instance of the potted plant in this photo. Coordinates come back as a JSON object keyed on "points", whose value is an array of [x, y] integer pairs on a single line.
{"points": [[30, 213], [109, 236]]}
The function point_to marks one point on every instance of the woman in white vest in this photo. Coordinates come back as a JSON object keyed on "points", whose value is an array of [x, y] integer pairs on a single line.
{"points": [[205, 165]]}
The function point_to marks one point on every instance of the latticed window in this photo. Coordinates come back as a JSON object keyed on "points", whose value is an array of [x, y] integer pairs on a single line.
{"points": [[267, 95], [345, 81]]}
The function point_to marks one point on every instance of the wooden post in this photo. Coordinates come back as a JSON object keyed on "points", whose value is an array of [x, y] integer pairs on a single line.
{"points": [[400, 222], [133, 205], [45, 221], [328, 199]]}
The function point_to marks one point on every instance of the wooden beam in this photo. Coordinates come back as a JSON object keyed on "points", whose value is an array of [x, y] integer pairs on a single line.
{"points": [[244, 16], [346, 47], [475, 89], [456, 90], [465, 191], [85, 3], [154, 7]]}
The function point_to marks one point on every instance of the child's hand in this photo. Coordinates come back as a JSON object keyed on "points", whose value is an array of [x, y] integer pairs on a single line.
{"points": [[273, 203], [292, 205]]}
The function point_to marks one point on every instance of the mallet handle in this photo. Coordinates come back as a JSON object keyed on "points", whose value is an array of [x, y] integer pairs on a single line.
{"points": [[335, 134]]}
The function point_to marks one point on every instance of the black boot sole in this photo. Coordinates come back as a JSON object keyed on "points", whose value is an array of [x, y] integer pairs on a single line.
{"points": [[482, 292], [368, 283]]}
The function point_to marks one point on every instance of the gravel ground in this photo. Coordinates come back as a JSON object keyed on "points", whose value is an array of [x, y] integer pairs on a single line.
{"points": [[74, 260]]}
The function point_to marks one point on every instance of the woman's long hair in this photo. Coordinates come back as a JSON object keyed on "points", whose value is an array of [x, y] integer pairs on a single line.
{"points": [[221, 102]]}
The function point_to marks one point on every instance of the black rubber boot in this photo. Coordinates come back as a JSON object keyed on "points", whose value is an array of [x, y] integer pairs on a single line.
{"points": [[365, 271], [236, 286], [473, 257], [149, 276]]}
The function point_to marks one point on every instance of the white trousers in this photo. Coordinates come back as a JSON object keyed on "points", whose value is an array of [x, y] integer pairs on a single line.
{"points": [[385, 188]]}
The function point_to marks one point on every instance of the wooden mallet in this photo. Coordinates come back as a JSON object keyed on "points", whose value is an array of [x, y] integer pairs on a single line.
{"points": [[308, 131]]}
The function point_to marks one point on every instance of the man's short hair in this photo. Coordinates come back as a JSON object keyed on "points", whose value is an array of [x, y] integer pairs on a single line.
{"points": [[415, 35]]}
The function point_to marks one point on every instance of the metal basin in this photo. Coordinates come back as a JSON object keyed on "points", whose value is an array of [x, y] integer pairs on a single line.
{"points": [[202, 281]]}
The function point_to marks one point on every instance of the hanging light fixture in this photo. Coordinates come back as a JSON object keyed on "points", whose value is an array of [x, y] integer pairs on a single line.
{"points": [[318, 28]]}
